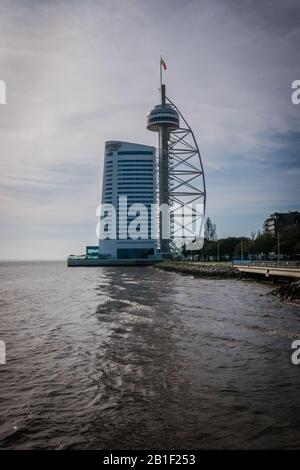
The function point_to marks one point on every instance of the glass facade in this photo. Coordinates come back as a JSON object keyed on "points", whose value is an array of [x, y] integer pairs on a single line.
{"points": [[136, 182], [129, 178]]}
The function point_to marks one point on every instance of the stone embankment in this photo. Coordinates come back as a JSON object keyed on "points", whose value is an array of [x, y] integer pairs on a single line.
{"points": [[288, 292], [198, 269]]}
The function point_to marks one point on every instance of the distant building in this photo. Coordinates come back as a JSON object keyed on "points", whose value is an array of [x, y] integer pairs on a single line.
{"points": [[128, 178], [279, 220]]}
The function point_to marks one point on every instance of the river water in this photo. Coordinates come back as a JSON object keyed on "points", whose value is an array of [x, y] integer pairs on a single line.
{"points": [[138, 358]]}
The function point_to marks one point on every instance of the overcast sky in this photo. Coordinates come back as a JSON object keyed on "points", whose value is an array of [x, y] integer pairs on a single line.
{"points": [[79, 73]]}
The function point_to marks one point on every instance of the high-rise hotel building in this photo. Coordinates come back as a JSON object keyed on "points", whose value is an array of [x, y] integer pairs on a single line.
{"points": [[127, 219]]}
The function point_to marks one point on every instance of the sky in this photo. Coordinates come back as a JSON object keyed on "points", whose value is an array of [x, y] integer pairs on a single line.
{"points": [[80, 73]]}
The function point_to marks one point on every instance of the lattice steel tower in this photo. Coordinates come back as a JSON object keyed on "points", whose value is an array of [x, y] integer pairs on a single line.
{"points": [[181, 182]]}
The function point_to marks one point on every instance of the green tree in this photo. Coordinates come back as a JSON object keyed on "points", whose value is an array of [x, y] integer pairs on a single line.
{"points": [[210, 230]]}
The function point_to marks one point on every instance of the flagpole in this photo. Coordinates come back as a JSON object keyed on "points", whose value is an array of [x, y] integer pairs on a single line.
{"points": [[160, 68], [162, 87]]}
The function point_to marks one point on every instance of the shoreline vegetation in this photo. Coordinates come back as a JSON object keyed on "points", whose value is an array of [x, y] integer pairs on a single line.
{"points": [[289, 292]]}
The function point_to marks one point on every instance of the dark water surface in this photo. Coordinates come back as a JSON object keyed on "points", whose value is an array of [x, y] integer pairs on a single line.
{"points": [[138, 358]]}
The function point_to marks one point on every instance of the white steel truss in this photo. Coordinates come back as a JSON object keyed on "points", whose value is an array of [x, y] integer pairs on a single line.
{"points": [[187, 191]]}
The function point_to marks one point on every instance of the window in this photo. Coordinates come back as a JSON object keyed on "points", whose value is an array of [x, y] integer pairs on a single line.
{"points": [[135, 152]]}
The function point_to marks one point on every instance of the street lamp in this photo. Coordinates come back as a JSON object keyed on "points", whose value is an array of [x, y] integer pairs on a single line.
{"points": [[242, 253]]}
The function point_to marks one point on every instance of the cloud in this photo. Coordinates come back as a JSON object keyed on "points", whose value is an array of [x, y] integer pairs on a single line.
{"points": [[79, 73]]}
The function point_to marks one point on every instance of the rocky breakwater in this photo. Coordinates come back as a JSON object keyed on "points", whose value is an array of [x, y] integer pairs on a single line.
{"points": [[288, 292], [198, 269]]}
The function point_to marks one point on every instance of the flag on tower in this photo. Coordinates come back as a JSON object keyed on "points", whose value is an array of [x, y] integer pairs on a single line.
{"points": [[163, 64]]}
